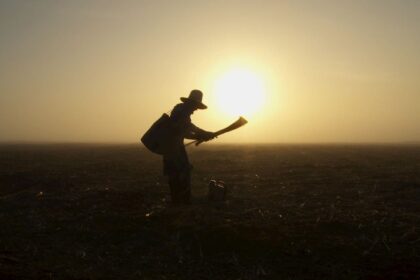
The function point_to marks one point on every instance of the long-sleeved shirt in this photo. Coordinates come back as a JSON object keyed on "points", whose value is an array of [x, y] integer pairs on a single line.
{"points": [[184, 128], [177, 161]]}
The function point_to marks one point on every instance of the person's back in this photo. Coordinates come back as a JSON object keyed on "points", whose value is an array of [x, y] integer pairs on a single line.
{"points": [[181, 120]]}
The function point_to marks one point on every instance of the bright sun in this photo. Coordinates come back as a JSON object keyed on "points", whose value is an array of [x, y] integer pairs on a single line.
{"points": [[239, 92]]}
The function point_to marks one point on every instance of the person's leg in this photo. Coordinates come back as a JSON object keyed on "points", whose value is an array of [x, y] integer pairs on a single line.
{"points": [[185, 178], [174, 186], [185, 187], [178, 168]]}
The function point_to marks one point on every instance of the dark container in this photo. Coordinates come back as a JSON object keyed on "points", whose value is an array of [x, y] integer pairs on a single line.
{"points": [[160, 137]]}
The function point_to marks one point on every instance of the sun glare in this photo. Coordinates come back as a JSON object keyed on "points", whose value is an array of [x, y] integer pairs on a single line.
{"points": [[239, 92]]}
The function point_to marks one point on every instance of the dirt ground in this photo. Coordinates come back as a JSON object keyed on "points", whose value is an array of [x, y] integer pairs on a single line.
{"points": [[293, 212]]}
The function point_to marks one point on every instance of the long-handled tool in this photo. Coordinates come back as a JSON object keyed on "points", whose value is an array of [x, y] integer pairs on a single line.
{"points": [[240, 122]]}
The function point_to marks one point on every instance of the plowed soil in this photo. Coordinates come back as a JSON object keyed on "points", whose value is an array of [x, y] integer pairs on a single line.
{"points": [[293, 212]]}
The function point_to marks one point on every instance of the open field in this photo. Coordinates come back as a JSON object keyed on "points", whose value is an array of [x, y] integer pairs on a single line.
{"points": [[294, 212]]}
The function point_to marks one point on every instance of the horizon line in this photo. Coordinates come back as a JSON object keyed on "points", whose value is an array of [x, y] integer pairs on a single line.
{"points": [[22, 142]]}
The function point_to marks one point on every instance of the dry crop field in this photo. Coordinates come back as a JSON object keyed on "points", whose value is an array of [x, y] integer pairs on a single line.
{"points": [[293, 212]]}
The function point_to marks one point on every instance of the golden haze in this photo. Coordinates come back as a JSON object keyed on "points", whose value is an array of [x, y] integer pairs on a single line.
{"points": [[98, 71]]}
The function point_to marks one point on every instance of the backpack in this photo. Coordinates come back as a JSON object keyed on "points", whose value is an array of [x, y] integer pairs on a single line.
{"points": [[159, 138]]}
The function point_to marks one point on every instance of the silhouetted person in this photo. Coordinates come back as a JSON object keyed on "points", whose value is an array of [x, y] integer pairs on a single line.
{"points": [[176, 164]]}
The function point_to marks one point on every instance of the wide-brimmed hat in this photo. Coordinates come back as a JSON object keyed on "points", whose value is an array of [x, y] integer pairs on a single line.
{"points": [[196, 97]]}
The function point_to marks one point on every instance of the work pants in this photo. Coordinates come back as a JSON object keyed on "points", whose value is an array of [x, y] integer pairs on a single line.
{"points": [[180, 186], [178, 169]]}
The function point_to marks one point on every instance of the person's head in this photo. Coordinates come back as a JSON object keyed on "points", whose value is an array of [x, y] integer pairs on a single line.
{"points": [[194, 101]]}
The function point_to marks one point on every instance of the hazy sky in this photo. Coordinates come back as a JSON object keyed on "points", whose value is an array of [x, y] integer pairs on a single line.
{"points": [[333, 71]]}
